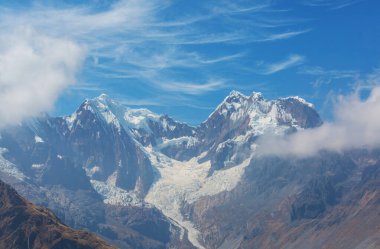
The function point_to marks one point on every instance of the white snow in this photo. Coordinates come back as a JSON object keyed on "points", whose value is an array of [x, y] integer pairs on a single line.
{"points": [[256, 95], [166, 125], [190, 142], [37, 166], [119, 115], [9, 168], [302, 100], [70, 120], [112, 179], [236, 94], [182, 182], [90, 172], [38, 139], [138, 118], [116, 196]]}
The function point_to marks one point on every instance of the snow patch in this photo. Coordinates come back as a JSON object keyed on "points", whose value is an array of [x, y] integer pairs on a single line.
{"points": [[70, 120], [301, 100], [116, 196], [9, 168], [183, 182], [38, 139], [92, 171], [37, 166], [189, 141]]}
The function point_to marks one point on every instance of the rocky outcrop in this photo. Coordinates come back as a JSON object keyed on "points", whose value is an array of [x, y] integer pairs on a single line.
{"points": [[24, 225]]}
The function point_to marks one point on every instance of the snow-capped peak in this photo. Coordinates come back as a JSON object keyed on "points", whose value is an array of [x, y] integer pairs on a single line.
{"points": [[102, 101], [236, 94], [257, 96], [102, 96], [121, 115], [142, 124], [299, 99], [237, 108]]}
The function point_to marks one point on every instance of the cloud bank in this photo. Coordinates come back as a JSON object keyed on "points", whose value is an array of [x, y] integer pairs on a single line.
{"points": [[34, 70], [356, 125]]}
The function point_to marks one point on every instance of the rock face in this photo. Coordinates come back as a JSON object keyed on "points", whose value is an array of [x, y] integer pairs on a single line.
{"points": [[24, 225], [143, 180], [326, 201]]}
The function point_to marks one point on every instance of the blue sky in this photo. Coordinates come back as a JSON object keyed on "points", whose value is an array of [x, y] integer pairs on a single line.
{"points": [[183, 57]]}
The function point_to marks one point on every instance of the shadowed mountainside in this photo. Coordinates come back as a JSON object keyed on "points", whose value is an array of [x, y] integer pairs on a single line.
{"points": [[24, 225]]}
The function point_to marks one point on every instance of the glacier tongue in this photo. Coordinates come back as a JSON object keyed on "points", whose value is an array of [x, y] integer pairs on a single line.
{"points": [[185, 182], [116, 196]]}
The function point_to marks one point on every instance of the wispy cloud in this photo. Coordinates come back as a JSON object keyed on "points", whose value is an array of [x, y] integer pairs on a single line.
{"points": [[179, 100], [222, 59], [132, 26], [327, 76], [283, 36], [143, 40], [336, 74], [291, 61], [331, 4], [194, 89]]}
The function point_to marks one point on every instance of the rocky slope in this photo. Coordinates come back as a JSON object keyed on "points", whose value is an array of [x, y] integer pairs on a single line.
{"points": [[326, 201], [24, 225]]}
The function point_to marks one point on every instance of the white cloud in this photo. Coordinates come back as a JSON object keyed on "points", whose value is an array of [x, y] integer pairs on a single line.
{"points": [[328, 76], [136, 31], [194, 89], [291, 61], [34, 69], [331, 4], [356, 125], [333, 74], [282, 36]]}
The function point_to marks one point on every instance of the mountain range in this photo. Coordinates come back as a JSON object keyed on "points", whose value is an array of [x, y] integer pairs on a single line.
{"points": [[143, 180]]}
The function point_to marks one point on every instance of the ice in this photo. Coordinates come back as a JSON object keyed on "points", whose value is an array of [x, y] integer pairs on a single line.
{"points": [[182, 182], [116, 196], [190, 142]]}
